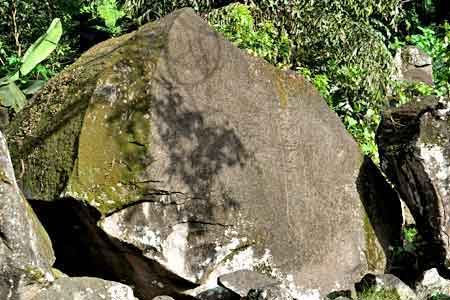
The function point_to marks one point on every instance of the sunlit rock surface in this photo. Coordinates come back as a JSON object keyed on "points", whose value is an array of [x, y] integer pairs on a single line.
{"points": [[26, 253], [208, 161]]}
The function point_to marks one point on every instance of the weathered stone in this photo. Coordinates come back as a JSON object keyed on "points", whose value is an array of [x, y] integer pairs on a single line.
{"points": [[26, 253], [432, 283], [4, 117], [163, 297], [413, 65], [414, 145], [204, 158], [271, 293], [215, 293], [242, 281], [84, 288]]}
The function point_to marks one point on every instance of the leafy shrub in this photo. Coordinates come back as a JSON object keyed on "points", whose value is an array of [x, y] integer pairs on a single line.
{"points": [[143, 11], [10, 94], [434, 40], [339, 46], [439, 296], [108, 12], [22, 22], [236, 23], [374, 293]]}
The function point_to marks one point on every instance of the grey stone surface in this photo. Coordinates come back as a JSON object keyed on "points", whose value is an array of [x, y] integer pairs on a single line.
{"points": [[413, 65], [242, 281], [270, 293], [432, 283], [26, 253], [163, 297], [206, 159], [414, 145], [215, 293], [84, 288]]}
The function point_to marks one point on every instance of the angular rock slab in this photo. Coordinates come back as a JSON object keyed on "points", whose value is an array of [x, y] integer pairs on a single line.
{"points": [[413, 65], [206, 159], [242, 281], [84, 288], [414, 146], [432, 283], [26, 253]]}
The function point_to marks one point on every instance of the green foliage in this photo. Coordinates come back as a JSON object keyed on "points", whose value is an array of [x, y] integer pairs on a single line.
{"points": [[410, 243], [30, 18], [108, 12], [439, 296], [377, 293], [236, 23], [339, 46], [410, 234], [435, 42], [143, 11], [10, 94], [41, 48]]}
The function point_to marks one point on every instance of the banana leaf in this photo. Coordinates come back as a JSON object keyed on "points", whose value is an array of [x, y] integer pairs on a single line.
{"points": [[42, 47], [12, 96]]}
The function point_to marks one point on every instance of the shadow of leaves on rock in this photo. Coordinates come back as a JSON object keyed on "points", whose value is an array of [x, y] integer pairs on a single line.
{"points": [[198, 147], [198, 151]]}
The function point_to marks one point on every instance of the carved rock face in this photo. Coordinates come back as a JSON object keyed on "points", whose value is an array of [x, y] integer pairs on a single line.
{"points": [[207, 160], [414, 143]]}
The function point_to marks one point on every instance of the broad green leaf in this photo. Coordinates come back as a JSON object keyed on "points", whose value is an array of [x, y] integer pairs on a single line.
{"points": [[34, 87], [42, 47], [12, 96], [4, 80]]}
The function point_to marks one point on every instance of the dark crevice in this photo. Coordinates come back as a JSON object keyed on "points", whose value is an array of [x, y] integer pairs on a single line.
{"points": [[206, 223], [5, 240], [83, 249], [137, 144]]}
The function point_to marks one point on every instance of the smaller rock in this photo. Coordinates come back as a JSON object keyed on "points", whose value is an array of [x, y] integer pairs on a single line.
{"points": [[242, 281], [163, 297], [345, 294], [26, 253], [413, 65], [387, 282], [269, 293], [216, 293], [432, 283], [84, 288]]}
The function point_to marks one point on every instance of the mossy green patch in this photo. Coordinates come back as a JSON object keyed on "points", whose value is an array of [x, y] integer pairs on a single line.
{"points": [[376, 259], [87, 134]]}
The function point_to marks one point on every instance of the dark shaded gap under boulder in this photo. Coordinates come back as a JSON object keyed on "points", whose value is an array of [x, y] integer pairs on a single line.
{"points": [[84, 249], [383, 207]]}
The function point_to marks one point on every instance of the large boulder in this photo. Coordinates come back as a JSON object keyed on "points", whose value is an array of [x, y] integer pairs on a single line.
{"points": [[414, 145], [208, 160], [26, 253]]}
